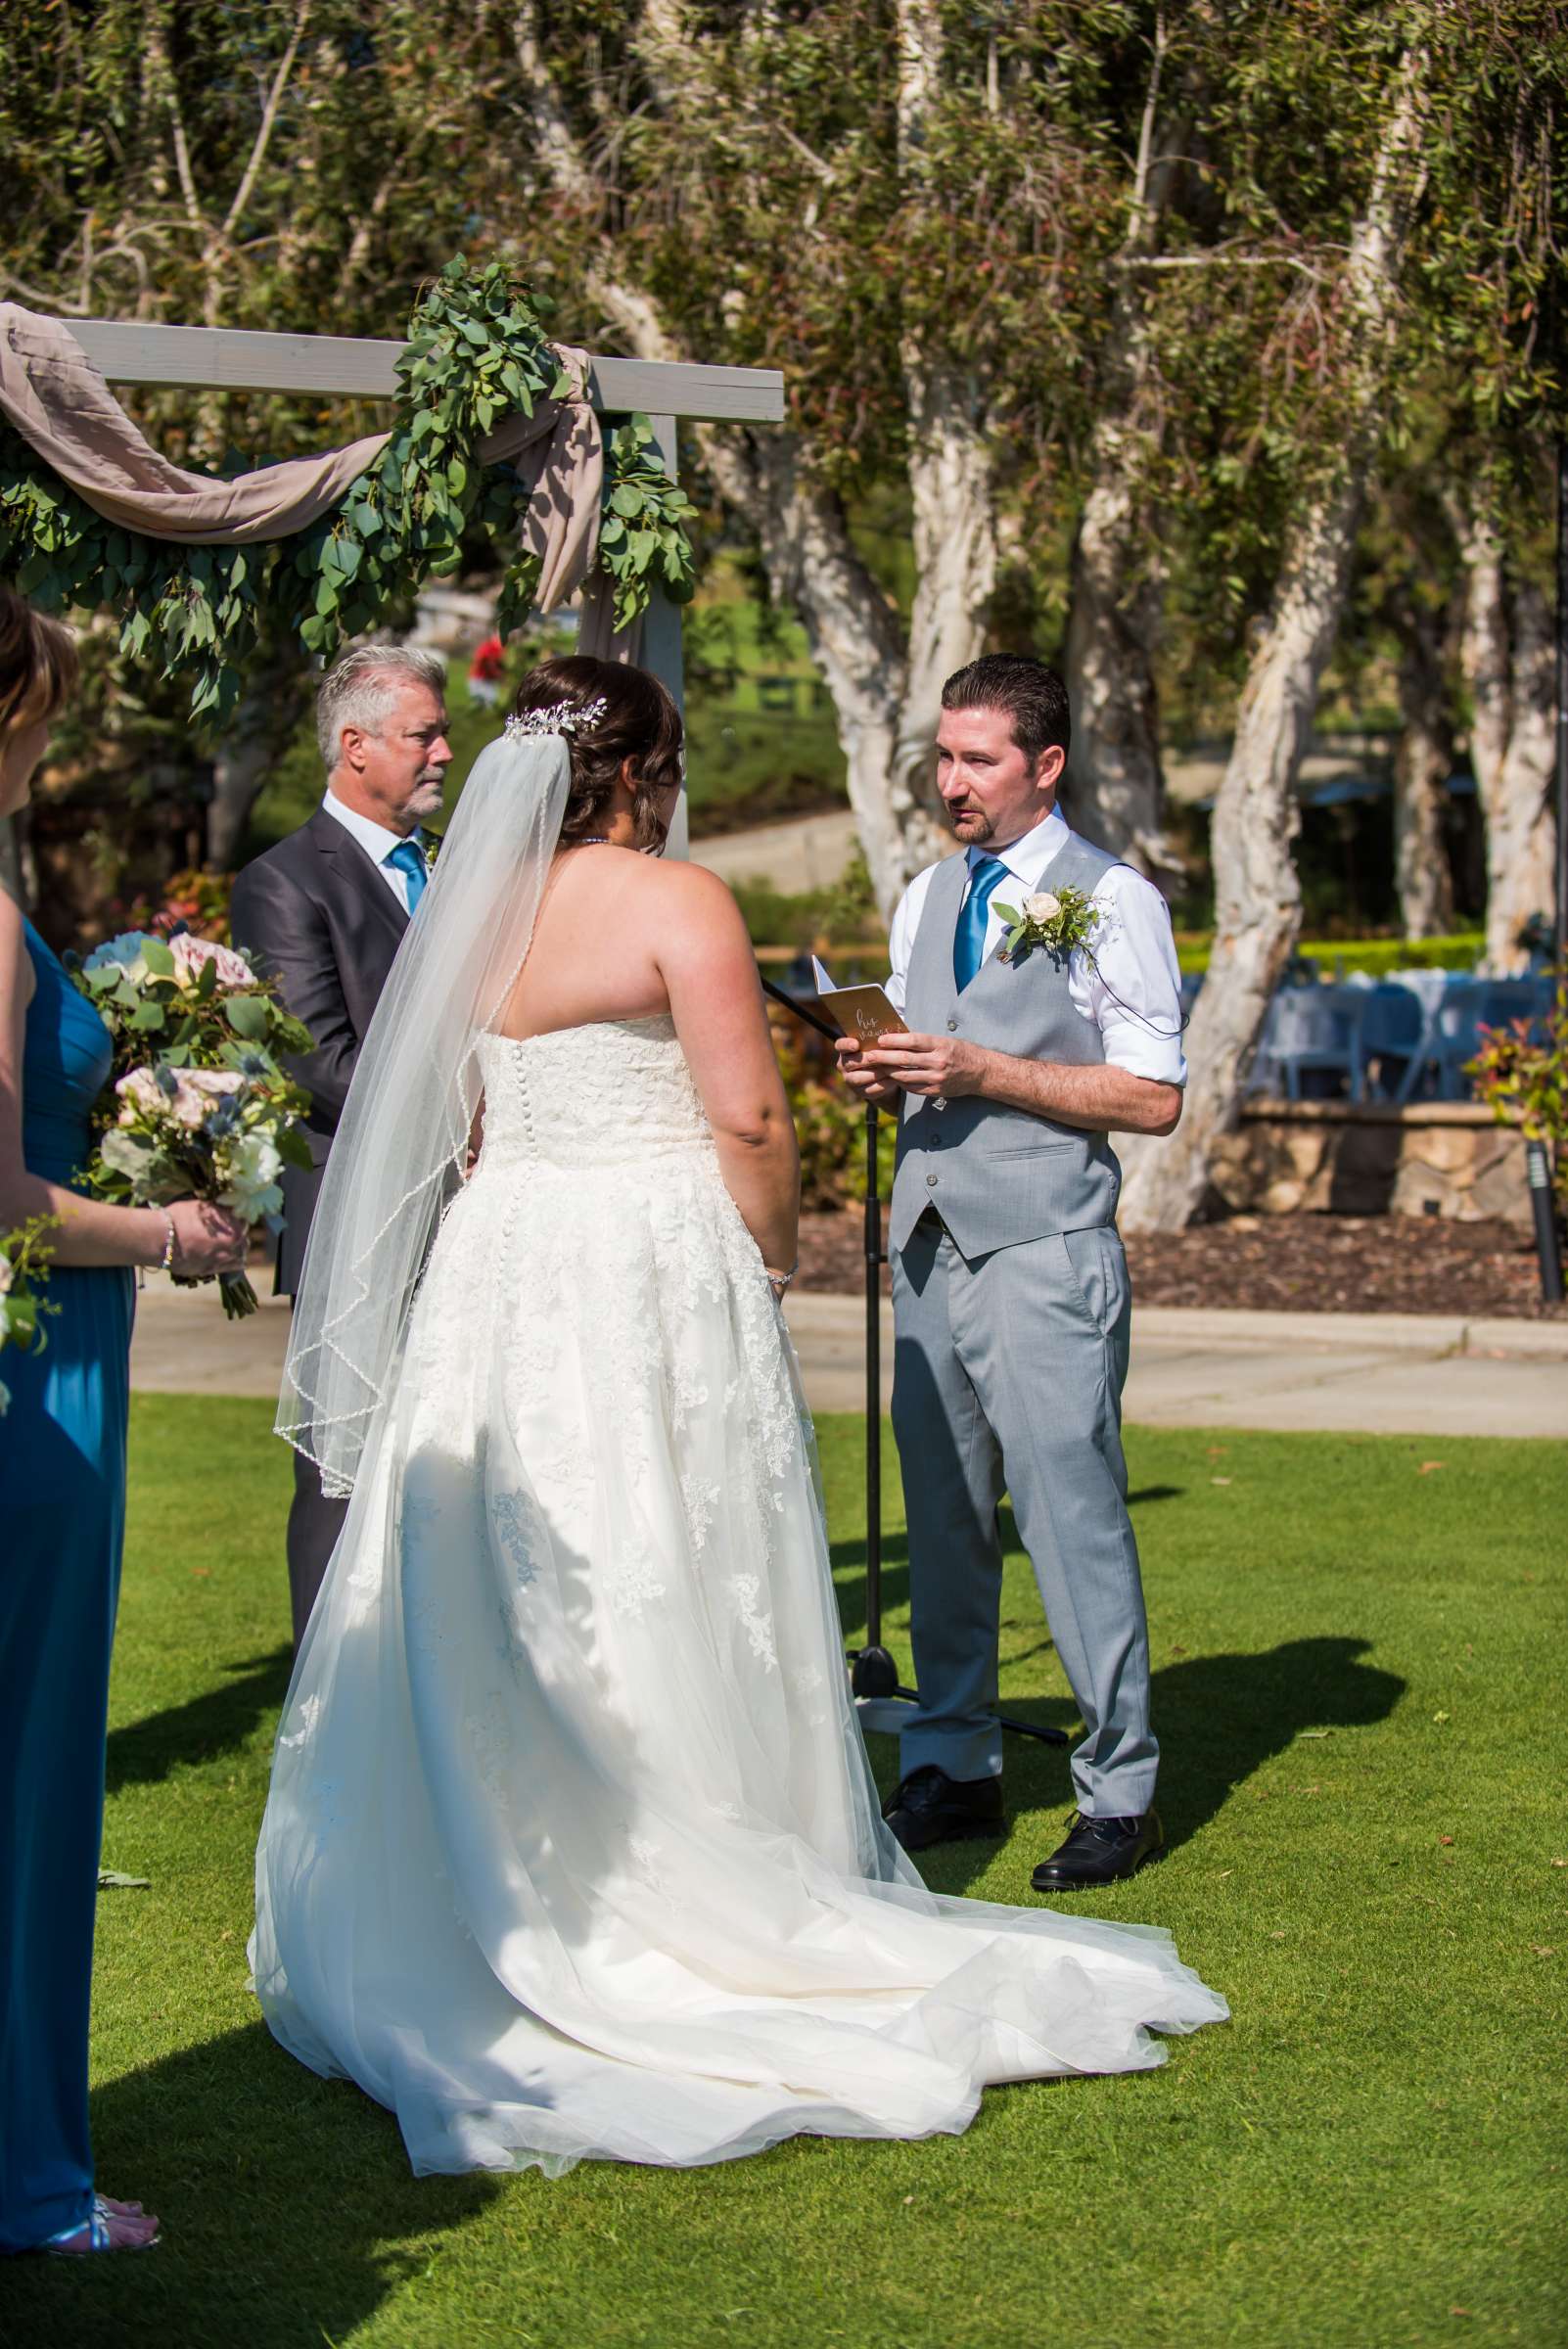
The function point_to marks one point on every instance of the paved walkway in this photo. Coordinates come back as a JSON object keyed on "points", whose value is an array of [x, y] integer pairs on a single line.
{"points": [[1373, 1373], [810, 851]]}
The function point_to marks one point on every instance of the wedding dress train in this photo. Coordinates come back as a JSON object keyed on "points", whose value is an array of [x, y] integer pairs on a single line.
{"points": [[571, 1848]]}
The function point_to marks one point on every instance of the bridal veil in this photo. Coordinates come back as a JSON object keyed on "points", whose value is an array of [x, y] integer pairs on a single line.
{"points": [[401, 1146]]}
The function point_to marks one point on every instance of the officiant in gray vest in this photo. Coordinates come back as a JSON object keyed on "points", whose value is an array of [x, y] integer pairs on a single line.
{"points": [[1011, 1303]]}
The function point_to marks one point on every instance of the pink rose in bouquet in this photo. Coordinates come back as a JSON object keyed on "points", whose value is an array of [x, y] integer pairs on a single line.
{"points": [[223, 1135], [184, 996], [199, 1104], [185, 1094], [192, 956]]}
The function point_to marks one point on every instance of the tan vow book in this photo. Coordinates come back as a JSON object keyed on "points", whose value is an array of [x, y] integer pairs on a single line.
{"points": [[863, 1012]]}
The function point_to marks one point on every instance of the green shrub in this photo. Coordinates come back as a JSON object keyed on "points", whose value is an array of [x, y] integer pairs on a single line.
{"points": [[1337, 958]]}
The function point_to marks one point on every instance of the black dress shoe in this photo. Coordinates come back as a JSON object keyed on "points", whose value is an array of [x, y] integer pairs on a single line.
{"points": [[1100, 1851], [928, 1807]]}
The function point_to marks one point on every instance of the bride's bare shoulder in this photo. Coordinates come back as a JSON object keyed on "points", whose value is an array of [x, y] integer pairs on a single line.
{"points": [[669, 889], [696, 914]]}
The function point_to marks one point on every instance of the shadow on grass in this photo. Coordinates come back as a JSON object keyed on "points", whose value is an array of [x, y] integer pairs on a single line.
{"points": [[144, 1752], [289, 2206], [1217, 1717]]}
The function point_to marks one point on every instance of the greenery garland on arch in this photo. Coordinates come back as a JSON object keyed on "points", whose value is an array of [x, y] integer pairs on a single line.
{"points": [[477, 351]]}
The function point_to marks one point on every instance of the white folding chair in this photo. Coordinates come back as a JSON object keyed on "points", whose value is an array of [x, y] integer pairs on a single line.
{"points": [[1317, 1030], [1392, 1034]]}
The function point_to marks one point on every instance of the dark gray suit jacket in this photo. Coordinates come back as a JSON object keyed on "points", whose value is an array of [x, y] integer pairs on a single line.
{"points": [[315, 913]]}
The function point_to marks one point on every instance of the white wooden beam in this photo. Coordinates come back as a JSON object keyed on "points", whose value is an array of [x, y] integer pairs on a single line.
{"points": [[345, 366]]}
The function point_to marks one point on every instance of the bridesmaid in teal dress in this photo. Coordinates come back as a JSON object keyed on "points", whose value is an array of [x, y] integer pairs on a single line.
{"points": [[61, 1520]]}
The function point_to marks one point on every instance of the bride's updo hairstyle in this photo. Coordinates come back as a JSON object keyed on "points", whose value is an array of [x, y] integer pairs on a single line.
{"points": [[638, 722]]}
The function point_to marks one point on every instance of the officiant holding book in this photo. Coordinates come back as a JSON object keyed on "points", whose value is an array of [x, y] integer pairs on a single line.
{"points": [[1038, 981], [325, 912]]}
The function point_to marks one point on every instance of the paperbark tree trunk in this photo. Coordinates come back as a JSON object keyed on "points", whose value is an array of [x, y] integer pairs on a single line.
{"points": [[1115, 783], [1507, 656], [951, 470], [885, 681], [955, 575], [1256, 818], [1422, 765], [252, 742], [1522, 836], [855, 635]]}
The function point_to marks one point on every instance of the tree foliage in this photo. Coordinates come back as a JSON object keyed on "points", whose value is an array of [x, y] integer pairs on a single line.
{"points": [[1007, 254]]}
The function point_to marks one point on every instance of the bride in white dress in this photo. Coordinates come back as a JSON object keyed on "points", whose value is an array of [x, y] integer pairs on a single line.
{"points": [[572, 1849]]}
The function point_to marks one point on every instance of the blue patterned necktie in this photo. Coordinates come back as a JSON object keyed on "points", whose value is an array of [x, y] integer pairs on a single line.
{"points": [[969, 939], [407, 860]]}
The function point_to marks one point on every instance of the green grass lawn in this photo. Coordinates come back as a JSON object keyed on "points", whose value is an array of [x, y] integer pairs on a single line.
{"points": [[1357, 1647]]}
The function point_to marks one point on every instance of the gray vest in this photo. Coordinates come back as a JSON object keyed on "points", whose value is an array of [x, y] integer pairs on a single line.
{"points": [[998, 1175]]}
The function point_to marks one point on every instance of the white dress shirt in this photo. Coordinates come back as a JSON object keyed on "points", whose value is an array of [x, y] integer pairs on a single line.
{"points": [[1132, 990], [377, 843]]}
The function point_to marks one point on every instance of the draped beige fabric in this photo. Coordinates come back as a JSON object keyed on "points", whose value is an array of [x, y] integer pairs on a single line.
{"points": [[54, 396]]}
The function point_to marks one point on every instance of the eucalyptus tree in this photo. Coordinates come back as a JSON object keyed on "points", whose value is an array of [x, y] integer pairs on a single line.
{"points": [[1114, 309], [1429, 134], [910, 208], [1507, 645]]}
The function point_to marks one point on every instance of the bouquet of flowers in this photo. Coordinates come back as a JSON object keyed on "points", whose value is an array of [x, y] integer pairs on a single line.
{"points": [[198, 1105], [24, 1267]]}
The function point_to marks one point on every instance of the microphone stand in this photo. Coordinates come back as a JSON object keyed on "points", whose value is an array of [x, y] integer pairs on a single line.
{"points": [[872, 1669]]}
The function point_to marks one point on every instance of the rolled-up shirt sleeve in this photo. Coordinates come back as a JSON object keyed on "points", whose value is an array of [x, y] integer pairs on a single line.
{"points": [[1132, 990]]}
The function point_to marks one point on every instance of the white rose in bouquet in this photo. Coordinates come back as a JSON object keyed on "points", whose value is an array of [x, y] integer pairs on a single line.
{"points": [[252, 1166], [1043, 906]]}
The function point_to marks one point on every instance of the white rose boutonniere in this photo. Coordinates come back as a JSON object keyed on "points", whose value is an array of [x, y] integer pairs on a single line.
{"points": [[1060, 922]]}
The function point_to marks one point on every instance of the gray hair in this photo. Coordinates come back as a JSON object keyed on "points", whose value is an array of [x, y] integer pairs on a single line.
{"points": [[359, 690]]}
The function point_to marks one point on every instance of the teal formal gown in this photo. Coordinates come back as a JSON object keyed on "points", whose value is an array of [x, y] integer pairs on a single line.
{"points": [[61, 1521]]}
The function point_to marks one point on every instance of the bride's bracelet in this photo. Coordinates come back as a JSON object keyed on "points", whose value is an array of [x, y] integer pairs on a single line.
{"points": [[780, 1281]]}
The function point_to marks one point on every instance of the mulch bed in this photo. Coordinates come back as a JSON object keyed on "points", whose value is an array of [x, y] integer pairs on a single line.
{"points": [[1292, 1263]]}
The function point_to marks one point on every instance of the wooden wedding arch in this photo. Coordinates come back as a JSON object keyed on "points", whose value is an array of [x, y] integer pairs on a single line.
{"points": [[218, 359]]}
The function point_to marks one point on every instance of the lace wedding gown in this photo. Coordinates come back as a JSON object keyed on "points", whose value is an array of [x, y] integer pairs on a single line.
{"points": [[571, 1848]]}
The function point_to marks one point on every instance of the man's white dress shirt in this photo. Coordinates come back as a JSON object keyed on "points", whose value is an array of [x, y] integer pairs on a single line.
{"points": [[1132, 990], [377, 843]]}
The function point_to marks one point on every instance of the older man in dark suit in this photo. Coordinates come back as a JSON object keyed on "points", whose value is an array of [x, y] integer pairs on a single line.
{"points": [[325, 910]]}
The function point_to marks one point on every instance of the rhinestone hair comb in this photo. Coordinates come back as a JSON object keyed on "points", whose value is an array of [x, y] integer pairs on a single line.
{"points": [[561, 717]]}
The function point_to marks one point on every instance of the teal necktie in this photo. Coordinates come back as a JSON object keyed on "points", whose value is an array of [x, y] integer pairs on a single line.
{"points": [[969, 939], [408, 862]]}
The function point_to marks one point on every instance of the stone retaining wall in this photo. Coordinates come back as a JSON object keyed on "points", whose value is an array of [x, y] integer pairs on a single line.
{"points": [[1444, 1158]]}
